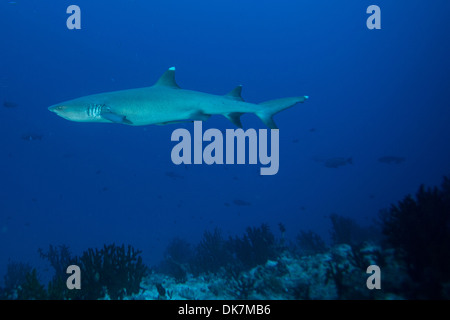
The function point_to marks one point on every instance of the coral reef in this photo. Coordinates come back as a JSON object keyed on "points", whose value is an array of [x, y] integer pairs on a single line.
{"points": [[419, 228], [113, 271], [31, 289], [177, 258], [346, 230], [414, 260], [59, 258], [16, 275], [212, 253], [255, 247], [335, 274], [310, 243]]}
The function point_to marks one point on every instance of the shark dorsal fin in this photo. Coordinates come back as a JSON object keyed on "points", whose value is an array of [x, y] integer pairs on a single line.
{"points": [[235, 94], [168, 79]]}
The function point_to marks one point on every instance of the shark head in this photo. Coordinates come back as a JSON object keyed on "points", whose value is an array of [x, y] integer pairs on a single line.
{"points": [[69, 112], [84, 110], [76, 110]]}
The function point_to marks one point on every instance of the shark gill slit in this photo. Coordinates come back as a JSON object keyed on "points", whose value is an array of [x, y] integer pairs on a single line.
{"points": [[95, 110]]}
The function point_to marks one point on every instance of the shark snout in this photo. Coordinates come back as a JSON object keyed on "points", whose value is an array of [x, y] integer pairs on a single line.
{"points": [[56, 108]]}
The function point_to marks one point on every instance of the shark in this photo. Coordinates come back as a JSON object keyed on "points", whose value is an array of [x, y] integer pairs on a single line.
{"points": [[165, 103]]}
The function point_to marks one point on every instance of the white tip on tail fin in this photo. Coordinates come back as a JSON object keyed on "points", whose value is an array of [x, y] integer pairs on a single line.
{"points": [[272, 107]]}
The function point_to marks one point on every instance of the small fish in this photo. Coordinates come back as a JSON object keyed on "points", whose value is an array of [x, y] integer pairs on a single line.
{"points": [[391, 159], [241, 203], [338, 162], [31, 136], [173, 175], [9, 104]]}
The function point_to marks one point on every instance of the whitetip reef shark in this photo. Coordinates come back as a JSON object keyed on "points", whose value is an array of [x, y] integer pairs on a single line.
{"points": [[165, 102]]}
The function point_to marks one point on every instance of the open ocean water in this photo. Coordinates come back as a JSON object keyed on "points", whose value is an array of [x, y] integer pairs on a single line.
{"points": [[375, 127]]}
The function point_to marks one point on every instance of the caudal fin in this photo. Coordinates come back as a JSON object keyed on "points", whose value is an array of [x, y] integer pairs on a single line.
{"points": [[272, 107]]}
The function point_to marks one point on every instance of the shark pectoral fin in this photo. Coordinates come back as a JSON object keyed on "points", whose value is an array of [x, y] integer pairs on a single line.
{"points": [[116, 118], [235, 118], [198, 115], [235, 94]]}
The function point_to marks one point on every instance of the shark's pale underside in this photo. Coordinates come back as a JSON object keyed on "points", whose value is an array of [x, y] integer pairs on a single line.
{"points": [[165, 102]]}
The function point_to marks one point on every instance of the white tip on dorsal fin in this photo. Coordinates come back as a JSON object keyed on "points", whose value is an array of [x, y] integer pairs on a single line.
{"points": [[235, 93], [168, 79]]}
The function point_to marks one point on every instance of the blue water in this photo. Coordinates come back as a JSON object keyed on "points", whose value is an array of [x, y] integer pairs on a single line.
{"points": [[373, 93]]}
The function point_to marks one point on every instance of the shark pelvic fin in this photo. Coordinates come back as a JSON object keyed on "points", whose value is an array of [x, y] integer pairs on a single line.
{"points": [[168, 79], [116, 118], [235, 94], [235, 118], [172, 122], [200, 116]]}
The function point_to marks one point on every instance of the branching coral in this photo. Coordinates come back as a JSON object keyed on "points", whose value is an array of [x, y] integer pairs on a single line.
{"points": [[255, 247], [114, 270], [420, 228], [59, 258], [31, 289], [212, 253], [310, 243], [15, 277], [176, 260]]}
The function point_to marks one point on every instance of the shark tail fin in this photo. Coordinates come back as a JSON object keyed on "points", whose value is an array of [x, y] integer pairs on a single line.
{"points": [[272, 107]]}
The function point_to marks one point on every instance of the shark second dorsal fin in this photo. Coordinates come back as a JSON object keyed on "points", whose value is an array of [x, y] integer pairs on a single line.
{"points": [[168, 79], [235, 94]]}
